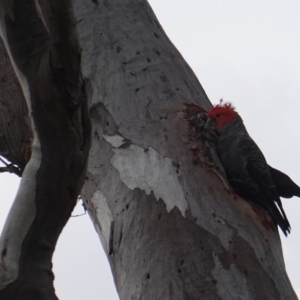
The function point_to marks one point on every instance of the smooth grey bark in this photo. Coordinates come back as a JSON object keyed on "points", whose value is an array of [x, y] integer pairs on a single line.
{"points": [[170, 225], [41, 41]]}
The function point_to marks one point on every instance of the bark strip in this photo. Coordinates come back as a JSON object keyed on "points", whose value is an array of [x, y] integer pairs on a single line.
{"points": [[41, 41]]}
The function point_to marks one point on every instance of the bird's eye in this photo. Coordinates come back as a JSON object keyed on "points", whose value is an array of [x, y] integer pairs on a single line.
{"points": [[217, 115]]}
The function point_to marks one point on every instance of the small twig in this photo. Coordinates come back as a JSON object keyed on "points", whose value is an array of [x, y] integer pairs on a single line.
{"points": [[3, 161], [78, 215], [10, 168], [83, 205]]}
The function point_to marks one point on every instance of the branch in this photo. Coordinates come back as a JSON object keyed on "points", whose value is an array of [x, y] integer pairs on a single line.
{"points": [[41, 41], [10, 168]]}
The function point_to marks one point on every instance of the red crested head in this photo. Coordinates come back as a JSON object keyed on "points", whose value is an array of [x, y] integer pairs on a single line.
{"points": [[222, 114]]}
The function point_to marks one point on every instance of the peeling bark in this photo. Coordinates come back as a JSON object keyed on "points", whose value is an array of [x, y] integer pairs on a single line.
{"points": [[42, 44], [15, 127]]}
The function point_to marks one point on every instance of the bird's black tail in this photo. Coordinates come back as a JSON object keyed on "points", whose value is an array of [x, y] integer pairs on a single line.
{"points": [[279, 217], [285, 186]]}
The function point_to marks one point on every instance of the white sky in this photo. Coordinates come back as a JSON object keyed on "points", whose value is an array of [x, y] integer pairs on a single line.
{"points": [[246, 52]]}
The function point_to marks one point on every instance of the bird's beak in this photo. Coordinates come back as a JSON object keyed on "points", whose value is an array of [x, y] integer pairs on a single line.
{"points": [[210, 124]]}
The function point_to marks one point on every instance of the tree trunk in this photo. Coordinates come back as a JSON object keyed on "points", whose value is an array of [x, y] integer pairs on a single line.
{"points": [[170, 225], [43, 47]]}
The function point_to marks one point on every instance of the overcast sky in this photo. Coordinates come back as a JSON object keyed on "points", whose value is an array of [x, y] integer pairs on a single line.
{"points": [[246, 52]]}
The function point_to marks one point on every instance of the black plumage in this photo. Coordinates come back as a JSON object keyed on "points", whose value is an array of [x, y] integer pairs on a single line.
{"points": [[285, 186]]}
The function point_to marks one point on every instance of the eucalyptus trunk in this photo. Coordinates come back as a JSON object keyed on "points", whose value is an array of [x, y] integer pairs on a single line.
{"points": [[170, 225]]}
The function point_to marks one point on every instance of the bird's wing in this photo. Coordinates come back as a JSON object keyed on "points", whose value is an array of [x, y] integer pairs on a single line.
{"points": [[260, 173], [256, 164]]}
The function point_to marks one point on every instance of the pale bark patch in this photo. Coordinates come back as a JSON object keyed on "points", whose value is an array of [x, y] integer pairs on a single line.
{"points": [[149, 171], [231, 284], [115, 140], [19, 219]]}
